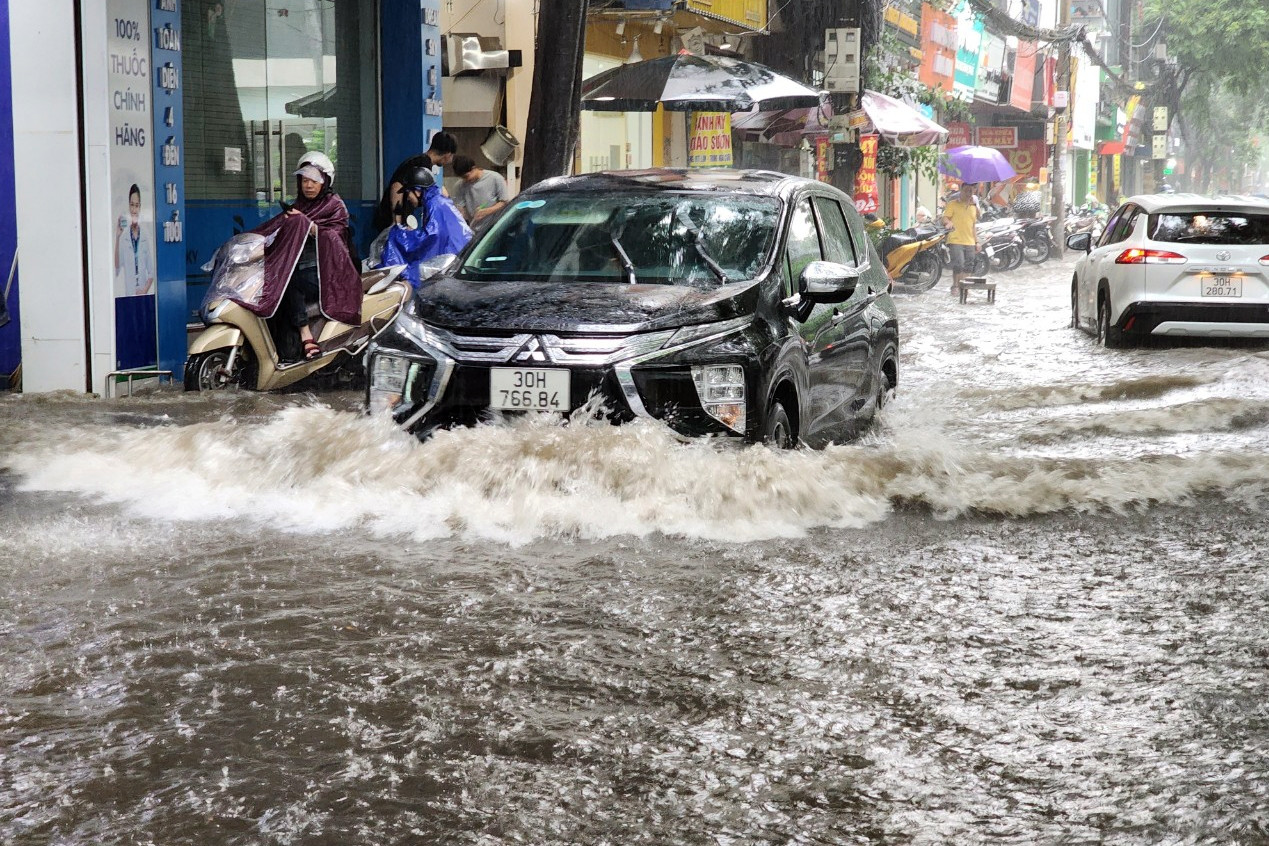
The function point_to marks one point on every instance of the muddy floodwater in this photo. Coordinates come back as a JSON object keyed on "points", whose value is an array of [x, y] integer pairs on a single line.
{"points": [[1029, 607]]}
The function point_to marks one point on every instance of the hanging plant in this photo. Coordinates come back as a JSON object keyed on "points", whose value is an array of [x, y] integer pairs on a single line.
{"points": [[896, 161]]}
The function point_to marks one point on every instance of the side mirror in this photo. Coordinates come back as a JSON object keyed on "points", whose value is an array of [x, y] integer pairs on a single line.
{"points": [[1081, 242], [828, 281]]}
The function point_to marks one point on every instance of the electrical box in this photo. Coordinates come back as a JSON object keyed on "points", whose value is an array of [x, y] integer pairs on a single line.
{"points": [[841, 60]]}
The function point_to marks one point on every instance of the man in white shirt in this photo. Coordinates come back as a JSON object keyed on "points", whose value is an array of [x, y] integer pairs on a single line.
{"points": [[482, 192]]}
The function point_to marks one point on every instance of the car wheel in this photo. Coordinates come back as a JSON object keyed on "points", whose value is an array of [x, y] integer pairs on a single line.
{"points": [[1108, 336], [885, 387], [778, 430], [1075, 305]]}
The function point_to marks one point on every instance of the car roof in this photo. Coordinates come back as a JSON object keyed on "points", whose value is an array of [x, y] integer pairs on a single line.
{"points": [[732, 181], [1152, 203]]}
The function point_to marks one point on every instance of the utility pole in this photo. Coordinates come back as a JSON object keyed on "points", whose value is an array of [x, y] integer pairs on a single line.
{"points": [[1059, 129], [555, 105]]}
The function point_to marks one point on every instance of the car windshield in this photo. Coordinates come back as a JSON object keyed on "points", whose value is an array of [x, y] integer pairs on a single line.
{"points": [[702, 240], [1210, 227]]}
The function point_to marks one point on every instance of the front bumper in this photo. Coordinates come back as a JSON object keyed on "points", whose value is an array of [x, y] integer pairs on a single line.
{"points": [[620, 378]]}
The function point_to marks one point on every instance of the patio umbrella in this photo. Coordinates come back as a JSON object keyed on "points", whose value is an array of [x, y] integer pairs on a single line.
{"points": [[784, 124], [976, 164], [687, 83]]}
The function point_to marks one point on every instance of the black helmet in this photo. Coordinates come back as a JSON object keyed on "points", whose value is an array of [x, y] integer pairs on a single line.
{"points": [[419, 177]]}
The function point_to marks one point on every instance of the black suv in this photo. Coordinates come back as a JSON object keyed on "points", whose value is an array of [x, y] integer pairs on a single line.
{"points": [[732, 302]]}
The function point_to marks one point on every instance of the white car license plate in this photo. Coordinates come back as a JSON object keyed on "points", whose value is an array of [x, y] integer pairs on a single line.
{"points": [[1221, 286], [528, 389]]}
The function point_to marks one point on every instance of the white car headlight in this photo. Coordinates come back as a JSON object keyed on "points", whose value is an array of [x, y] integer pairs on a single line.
{"points": [[388, 374], [721, 390]]}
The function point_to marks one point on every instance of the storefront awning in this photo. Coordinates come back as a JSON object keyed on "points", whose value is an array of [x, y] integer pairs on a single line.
{"points": [[900, 124]]}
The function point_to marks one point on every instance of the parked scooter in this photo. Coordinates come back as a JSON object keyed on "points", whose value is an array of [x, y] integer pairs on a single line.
{"points": [[237, 347], [1000, 245], [914, 257], [1037, 239]]}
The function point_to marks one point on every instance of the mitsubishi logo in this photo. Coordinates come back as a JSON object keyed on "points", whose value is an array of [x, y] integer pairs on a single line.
{"points": [[533, 350], [1223, 255]]}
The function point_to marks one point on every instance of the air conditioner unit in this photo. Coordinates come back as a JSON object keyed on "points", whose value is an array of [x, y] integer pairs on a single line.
{"points": [[466, 54]]}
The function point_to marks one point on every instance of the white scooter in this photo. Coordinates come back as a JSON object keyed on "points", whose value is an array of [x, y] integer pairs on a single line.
{"points": [[237, 347]]}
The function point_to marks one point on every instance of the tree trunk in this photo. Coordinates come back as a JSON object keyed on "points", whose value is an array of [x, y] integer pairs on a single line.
{"points": [[551, 134]]}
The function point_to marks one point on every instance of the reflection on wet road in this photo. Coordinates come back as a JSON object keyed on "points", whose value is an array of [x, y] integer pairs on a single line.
{"points": [[1026, 609]]}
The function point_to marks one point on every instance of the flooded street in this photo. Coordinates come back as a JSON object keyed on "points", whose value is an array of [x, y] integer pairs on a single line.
{"points": [[1028, 607]]}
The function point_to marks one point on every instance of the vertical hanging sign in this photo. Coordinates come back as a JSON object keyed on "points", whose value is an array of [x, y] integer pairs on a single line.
{"points": [[866, 197], [169, 170], [131, 142]]}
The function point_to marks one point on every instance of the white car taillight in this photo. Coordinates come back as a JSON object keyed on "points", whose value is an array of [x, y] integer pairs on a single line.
{"points": [[1136, 255]]}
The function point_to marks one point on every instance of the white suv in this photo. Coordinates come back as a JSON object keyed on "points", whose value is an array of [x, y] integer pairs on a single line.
{"points": [[1178, 265]]}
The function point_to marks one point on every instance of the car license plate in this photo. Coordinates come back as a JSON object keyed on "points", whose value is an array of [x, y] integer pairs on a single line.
{"points": [[1221, 286], [528, 389]]}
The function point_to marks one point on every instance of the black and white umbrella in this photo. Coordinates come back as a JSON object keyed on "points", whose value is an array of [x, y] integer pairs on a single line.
{"points": [[687, 83]]}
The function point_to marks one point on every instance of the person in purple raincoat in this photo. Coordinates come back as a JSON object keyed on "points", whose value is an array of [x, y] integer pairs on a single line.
{"points": [[310, 258]]}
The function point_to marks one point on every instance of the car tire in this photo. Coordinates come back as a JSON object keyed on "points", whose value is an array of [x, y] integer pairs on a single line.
{"points": [[1107, 336], [885, 388], [1075, 304], [777, 430]]}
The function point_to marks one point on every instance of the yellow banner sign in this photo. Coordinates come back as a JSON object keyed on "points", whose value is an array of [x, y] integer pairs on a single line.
{"points": [[709, 140]]}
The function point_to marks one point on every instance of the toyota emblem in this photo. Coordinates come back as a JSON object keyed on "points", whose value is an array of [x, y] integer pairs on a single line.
{"points": [[1223, 255]]}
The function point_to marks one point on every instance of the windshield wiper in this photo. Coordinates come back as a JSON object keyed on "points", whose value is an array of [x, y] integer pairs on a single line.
{"points": [[617, 228], [694, 238]]}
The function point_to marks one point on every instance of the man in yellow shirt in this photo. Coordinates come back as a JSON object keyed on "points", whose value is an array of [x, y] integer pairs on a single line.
{"points": [[960, 214]]}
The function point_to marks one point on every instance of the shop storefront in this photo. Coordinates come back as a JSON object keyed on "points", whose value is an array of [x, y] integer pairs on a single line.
{"points": [[155, 130]]}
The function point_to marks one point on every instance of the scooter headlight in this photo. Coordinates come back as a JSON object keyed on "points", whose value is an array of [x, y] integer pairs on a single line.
{"points": [[721, 390]]}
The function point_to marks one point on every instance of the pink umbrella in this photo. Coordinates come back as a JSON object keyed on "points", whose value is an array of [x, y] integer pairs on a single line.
{"points": [[900, 124]]}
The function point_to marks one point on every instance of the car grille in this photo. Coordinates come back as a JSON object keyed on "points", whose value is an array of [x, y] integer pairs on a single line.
{"points": [[545, 349]]}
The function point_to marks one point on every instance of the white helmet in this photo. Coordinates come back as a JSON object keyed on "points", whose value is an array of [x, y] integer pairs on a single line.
{"points": [[320, 161]]}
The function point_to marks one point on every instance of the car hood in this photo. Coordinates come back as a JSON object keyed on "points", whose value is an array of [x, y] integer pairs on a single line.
{"points": [[577, 306]]}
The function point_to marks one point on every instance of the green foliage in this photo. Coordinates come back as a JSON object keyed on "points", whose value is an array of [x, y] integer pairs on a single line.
{"points": [[1225, 40], [902, 84]]}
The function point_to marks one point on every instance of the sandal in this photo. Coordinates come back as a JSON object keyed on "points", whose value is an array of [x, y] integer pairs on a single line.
{"points": [[311, 350]]}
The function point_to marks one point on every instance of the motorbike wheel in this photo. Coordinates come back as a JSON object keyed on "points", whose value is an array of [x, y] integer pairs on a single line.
{"points": [[206, 371], [924, 272], [981, 264], [1037, 250], [1013, 257]]}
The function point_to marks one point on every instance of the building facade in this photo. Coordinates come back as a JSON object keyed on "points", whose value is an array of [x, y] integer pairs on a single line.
{"points": [[150, 131]]}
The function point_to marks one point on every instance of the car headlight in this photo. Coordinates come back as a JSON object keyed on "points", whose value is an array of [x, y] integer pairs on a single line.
{"points": [[389, 376], [412, 327], [721, 390]]}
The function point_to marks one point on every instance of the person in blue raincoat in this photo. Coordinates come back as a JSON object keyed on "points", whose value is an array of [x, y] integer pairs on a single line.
{"points": [[441, 230]]}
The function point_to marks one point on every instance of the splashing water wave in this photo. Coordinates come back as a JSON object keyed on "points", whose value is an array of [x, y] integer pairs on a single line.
{"points": [[313, 468]]}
